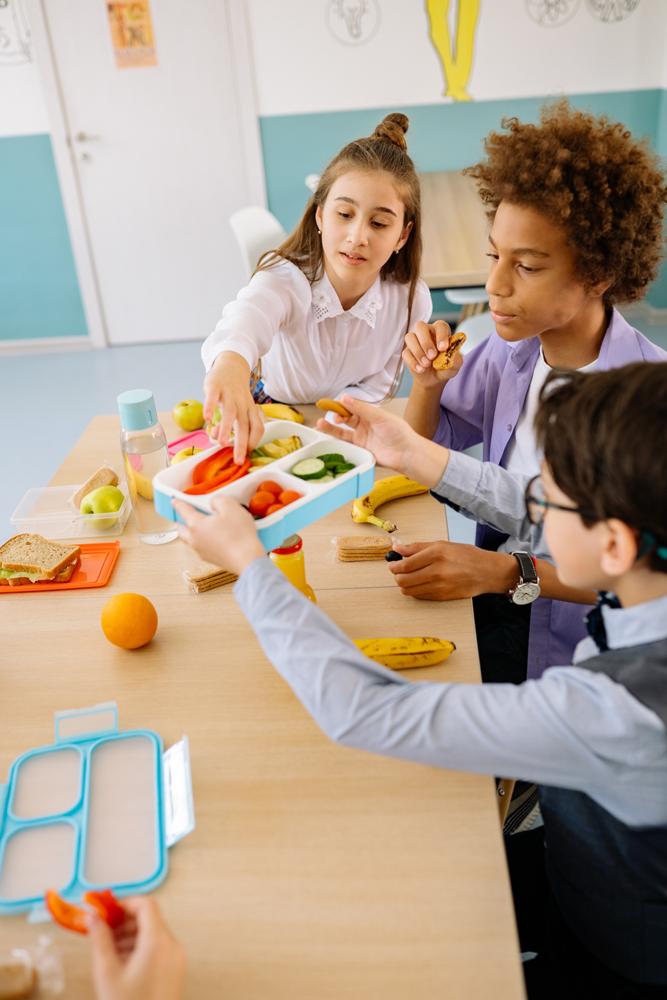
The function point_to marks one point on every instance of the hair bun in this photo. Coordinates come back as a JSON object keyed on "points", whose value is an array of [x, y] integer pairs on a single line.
{"points": [[392, 129]]}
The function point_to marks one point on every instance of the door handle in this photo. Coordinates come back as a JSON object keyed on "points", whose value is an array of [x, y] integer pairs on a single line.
{"points": [[84, 137]]}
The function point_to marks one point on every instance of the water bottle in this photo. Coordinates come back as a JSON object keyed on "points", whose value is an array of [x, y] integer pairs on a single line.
{"points": [[145, 453]]}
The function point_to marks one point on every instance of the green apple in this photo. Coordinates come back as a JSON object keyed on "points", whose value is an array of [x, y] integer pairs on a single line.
{"points": [[184, 453], [102, 501], [189, 414]]}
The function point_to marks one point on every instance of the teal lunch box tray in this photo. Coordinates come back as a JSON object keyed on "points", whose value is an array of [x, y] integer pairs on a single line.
{"points": [[316, 501], [98, 809]]}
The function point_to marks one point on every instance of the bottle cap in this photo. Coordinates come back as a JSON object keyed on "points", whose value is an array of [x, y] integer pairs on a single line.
{"points": [[137, 410], [290, 545]]}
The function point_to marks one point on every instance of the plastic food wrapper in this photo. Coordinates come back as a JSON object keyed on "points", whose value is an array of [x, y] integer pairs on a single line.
{"points": [[77, 497], [38, 967], [362, 548], [206, 576]]}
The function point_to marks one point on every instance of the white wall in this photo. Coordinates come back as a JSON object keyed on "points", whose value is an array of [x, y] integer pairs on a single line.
{"points": [[300, 67], [22, 107]]}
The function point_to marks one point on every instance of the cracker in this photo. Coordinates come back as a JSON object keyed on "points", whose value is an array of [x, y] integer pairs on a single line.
{"points": [[334, 406], [359, 548], [207, 577], [445, 359]]}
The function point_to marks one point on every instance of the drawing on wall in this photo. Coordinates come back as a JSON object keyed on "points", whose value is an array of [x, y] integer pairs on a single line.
{"points": [[131, 34], [552, 13], [353, 22], [14, 34], [457, 59], [612, 10]]}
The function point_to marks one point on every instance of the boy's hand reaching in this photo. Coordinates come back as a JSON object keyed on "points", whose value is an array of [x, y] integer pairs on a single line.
{"points": [[141, 959], [390, 439], [422, 346], [227, 539]]}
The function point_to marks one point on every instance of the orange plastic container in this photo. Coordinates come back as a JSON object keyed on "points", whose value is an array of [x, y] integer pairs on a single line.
{"points": [[94, 569]]}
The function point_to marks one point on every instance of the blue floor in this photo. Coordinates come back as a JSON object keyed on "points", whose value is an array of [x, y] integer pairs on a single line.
{"points": [[49, 399]]}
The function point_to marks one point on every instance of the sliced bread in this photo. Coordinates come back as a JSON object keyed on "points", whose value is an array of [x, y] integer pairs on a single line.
{"points": [[37, 555]]}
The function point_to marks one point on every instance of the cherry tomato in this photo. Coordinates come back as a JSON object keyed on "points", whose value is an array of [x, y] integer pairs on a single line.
{"points": [[270, 487], [273, 508], [260, 502], [289, 496]]}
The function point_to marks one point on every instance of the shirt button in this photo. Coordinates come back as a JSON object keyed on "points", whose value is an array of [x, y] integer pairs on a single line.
{"points": [[509, 427]]}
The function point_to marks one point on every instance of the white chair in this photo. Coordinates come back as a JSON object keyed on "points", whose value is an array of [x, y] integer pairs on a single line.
{"points": [[471, 300], [256, 231], [476, 329]]}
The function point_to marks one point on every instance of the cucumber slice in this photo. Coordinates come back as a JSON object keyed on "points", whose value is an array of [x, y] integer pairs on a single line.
{"points": [[333, 459], [329, 478], [342, 468], [309, 468]]}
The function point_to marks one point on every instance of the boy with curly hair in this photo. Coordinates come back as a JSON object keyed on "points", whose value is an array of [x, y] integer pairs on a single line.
{"points": [[576, 206]]}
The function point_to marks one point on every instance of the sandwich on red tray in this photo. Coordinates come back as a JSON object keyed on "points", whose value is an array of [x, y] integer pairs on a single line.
{"points": [[32, 559]]}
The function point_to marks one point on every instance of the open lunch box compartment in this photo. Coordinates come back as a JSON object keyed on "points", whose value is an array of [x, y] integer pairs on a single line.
{"points": [[95, 810], [49, 511], [316, 501]]}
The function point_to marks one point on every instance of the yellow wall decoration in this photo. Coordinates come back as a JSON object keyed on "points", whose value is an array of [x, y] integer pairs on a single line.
{"points": [[456, 64]]}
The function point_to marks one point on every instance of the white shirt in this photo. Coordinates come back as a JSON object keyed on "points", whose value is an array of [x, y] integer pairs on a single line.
{"points": [[572, 728], [522, 456], [309, 345]]}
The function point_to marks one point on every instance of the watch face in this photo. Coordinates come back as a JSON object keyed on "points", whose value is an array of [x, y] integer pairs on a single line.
{"points": [[526, 593]]}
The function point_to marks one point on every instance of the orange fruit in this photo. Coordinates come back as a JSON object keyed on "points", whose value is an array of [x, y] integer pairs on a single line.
{"points": [[129, 620]]}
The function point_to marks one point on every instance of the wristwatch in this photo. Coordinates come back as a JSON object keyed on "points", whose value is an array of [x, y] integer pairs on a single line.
{"points": [[529, 583]]}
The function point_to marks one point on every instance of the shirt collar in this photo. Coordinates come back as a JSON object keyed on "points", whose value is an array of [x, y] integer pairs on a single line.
{"points": [[326, 304], [633, 626]]}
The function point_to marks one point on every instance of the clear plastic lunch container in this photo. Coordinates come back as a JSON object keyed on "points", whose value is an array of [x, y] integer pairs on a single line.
{"points": [[316, 501], [47, 511]]}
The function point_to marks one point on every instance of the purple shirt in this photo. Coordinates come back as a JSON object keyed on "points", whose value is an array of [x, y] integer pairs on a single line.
{"points": [[482, 404]]}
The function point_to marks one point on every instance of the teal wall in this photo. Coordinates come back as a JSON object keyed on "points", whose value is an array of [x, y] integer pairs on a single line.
{"points": [[441, 137], [39, 290]]}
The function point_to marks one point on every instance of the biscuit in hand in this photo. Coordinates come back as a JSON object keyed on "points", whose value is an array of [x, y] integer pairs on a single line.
{"points": [[445, 359], [334, 406]]}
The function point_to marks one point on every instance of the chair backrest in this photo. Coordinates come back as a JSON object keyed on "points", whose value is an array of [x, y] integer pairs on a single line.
{"points": [[476, 329], [256, 231]]}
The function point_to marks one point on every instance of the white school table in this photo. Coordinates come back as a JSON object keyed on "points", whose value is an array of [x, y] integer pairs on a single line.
{"points": [[455, 231], [315, 872]]}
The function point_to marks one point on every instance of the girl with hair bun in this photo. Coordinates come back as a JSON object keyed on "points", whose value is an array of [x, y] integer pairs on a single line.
{"points": [[328, 310]]}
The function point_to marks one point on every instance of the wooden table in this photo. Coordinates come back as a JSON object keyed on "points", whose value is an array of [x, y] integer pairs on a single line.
{"points": [[455, 231], [315, 872]]}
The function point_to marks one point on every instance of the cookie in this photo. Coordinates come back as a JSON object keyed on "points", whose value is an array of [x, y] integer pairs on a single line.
{"points": [[355, 548], [334, 406], [445, 359]]}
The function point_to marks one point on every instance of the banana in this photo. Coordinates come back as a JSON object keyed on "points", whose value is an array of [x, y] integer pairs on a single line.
{"points": [[281, 411], [400, 654], [389, 488]]}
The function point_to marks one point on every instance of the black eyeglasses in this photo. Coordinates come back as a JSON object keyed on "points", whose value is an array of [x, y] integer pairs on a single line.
{"points": [[537, 506]]}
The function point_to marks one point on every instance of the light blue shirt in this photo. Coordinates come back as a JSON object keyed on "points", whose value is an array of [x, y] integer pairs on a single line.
{"points": [[573, 728]]}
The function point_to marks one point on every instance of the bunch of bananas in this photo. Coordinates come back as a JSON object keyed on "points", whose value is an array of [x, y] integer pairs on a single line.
{"points": [[400, 654], [389, 488]]}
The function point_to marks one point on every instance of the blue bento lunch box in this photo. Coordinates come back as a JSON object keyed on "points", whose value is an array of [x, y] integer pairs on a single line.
{"points": [[316, 502], [97, 809]]}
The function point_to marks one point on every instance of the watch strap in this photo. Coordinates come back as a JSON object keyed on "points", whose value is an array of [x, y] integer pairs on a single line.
{"points": [[527, 568]]}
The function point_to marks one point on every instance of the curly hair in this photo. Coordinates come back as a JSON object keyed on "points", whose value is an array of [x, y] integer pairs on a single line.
{"points": [[591, 178]]}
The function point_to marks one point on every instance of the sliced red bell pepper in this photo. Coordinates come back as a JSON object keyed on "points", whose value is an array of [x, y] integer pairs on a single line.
{"points": [[76, 919], [108, 907], [211, 467], [225, 477], [71, 917]]}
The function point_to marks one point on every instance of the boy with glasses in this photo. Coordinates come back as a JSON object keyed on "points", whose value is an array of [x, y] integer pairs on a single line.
{"points": [[593, 735]]}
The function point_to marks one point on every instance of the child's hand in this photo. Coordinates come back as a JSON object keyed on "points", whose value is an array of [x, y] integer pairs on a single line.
{"points": [[227, 385], [422, 346], [141, 959], [449, 571], [227, 539], [390, 439]]}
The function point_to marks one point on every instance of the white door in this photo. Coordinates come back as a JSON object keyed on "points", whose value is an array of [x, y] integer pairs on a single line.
{"points": [[161, 155]]}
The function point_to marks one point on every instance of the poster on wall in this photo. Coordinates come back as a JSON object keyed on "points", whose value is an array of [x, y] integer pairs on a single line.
{"points": [[14, 34], [131, 34]]}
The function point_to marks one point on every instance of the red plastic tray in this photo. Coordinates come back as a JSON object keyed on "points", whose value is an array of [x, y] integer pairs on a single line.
{"points": [[94, 569]]}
